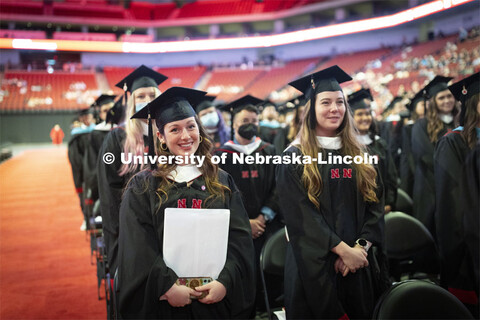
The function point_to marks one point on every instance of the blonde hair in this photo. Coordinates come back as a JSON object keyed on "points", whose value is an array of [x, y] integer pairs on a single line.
{"points": [[208, 169], [312, 180], [134, 136]]}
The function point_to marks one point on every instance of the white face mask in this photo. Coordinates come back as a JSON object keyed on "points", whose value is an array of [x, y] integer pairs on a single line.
{"points": [[139, 106], [210, 119]]}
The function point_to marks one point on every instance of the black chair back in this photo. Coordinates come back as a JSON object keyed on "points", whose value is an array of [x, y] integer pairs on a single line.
{"points": [[416, 299], [410, 246], [272, 262]]}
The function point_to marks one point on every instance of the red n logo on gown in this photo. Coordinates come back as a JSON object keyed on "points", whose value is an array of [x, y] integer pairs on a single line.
{"points": [[182, 203], [335, 173], [245, 174], [347, 173], [254, 173], [197, 203]]}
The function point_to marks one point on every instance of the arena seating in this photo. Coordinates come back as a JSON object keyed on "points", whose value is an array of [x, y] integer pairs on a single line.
{"points": [[277, 77], [227, 84], [40, 91]]}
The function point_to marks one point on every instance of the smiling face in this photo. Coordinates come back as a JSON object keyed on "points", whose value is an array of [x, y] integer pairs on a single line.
{"points": [[329, 110], [445, 102], [182, 137], [363, 120]]}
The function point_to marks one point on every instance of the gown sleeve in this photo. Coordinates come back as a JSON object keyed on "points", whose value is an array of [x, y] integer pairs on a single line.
{"points": [[238, 275], [311, 239], [110, 188], [374, 225], [142, 275]]}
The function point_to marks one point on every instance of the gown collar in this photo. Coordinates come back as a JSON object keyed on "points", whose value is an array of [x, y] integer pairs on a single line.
{"points": [[333, 143], [365, 139], [184, 173], [247, 148], [446, 118]]}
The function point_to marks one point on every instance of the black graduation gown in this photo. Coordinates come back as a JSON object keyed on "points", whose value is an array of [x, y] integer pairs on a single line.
{"points": [[90, 164], [76, 155], [386, 168], [407, 163], [424, 183], [110, 189], [256, 183], [268, 134], [312, 289], [470, 195], [450, 176], [281, 140], [143, 275]]}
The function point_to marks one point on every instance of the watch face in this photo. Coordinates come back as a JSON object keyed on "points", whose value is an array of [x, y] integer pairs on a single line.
{"points": [[362, 242]]}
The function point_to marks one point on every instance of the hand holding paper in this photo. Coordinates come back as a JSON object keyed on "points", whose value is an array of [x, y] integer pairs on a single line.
{"points": [[179, 296], [216, 292]]}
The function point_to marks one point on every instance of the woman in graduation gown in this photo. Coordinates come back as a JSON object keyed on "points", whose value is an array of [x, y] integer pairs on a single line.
{"points": [[333, 212], [148, 287], [362, 116], [425, 134], [129, 138], [451, 178]]}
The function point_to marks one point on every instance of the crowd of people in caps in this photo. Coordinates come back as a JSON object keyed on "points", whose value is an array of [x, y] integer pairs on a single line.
{"points": [[333, 214]]}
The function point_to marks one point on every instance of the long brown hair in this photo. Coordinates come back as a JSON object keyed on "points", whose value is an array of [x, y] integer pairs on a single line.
{"points": [[295, 124], [434, 123], [208, 169], [312, 180], [472, 119]]}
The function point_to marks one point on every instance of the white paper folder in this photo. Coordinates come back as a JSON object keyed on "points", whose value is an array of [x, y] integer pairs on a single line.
{"points": [[195, 241]]}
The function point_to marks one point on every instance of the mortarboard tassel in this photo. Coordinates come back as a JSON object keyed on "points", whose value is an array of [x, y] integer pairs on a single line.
{"points": [[231, 124], [151, 147], [125, 88], [313, 98], [463, 99]]}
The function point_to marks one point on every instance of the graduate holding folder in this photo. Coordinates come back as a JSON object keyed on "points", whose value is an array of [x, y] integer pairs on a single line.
{"points": [[148, 286]]}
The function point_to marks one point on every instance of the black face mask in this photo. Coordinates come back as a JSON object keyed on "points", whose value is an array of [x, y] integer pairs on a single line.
{"points": [[247, 131]]}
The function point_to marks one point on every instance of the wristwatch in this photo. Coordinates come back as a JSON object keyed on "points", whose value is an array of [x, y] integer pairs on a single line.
{"points": [[363, 243]]}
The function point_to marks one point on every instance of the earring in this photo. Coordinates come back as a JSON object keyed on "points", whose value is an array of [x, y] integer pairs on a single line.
{"points": [[201, 139], [162, 146]]}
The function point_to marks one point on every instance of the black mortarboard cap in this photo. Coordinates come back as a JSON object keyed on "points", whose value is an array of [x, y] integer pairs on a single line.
{"points": [[104, 99], [324, 80], [464, 90], [357, 99], [238, 105], [116, 113], [205, 104], [438, 84], [328, 79], [176, 103], [416, 99], [141, 77]]}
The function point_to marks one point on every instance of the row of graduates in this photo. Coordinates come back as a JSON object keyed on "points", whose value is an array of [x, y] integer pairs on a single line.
{"points": [[436, 153], [316, 207]]}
